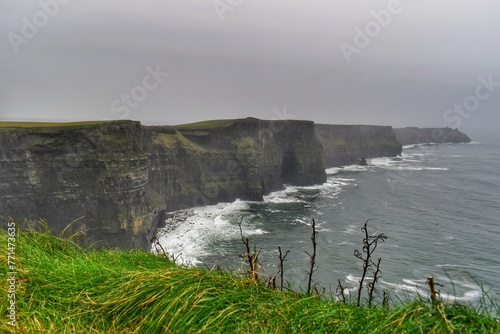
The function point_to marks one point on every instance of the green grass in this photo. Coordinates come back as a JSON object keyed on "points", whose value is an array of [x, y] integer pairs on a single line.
{"points": [[218, 123], [172, 141], [63, 288], [194, 126], [47, 124]]}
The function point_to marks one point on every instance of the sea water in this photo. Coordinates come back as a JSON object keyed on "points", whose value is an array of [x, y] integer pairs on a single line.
{"points": [[438, 205]]}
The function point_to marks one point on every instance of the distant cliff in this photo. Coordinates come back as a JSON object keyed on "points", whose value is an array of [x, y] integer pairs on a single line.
{"points": [[347, 144], [115, 179], [411, 135]]}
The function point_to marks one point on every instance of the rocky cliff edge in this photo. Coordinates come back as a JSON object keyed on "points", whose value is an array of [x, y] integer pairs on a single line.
{"points": [[113, 180], [412, 135], [347, 144]]}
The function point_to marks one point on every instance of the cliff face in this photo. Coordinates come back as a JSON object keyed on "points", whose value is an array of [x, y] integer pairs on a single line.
{"points": [[206, 163], [411, 135], [94, 175], [114, 179], [347, 144]]}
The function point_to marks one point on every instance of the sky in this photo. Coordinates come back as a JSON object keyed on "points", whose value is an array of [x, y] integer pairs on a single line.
{"points": [[397, 62]]}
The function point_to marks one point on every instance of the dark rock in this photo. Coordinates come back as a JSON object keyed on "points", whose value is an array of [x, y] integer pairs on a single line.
{"points": [[413, 135], [362, 162], [346, 144], [115, 180]]}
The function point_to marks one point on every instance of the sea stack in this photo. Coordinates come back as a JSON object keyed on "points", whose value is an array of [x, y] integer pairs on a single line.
{"points": [[362, 162]]}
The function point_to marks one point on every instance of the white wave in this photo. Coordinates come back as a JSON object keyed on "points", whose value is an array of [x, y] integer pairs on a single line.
{"points": [[351, 229], [344, 243], [436, 168], [352, 283], [283, 196], [415, 168], [341, 181], [347, 168], [469, 291], [419, 145], [415, 154], [300, 221], [274, 210], [408, 168], [333, 170], [290, 194], [410, 288], [352, 279], [205, 225], [281, 199], [386, 161], [355, 168], [405, 147], [258, 231], [407, 155]]}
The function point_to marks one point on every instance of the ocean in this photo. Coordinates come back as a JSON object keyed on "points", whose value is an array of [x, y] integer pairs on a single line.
{"points": [[438, 205]]}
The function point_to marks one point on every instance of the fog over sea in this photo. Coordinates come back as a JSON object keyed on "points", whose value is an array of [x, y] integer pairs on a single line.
{"points": [[439, 206]]}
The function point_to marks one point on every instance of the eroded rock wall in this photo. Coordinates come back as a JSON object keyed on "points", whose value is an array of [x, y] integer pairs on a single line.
{"points": [[113, 180], [92, 176], [347, 144]]}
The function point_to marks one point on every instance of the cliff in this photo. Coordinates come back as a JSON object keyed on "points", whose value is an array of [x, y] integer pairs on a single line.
{"points": [[412, 135], [347, 144], [114, 180], [94, 175]]}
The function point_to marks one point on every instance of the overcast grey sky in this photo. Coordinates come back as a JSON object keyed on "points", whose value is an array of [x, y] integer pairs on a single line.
{"points": [[401, 63]]}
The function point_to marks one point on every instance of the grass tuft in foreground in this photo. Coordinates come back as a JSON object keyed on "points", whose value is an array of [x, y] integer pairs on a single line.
{"points": [[62, 288]]}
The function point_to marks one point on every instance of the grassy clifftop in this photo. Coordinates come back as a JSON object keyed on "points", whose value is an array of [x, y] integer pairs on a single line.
{"points": [[62, 288]]}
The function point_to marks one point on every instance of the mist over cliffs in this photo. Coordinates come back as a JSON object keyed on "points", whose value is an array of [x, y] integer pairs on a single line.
{"points": [[114, 180]]}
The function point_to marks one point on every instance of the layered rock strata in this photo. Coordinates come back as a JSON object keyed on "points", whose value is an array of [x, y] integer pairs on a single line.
{"points": [[114, 180], [347, 144]]}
